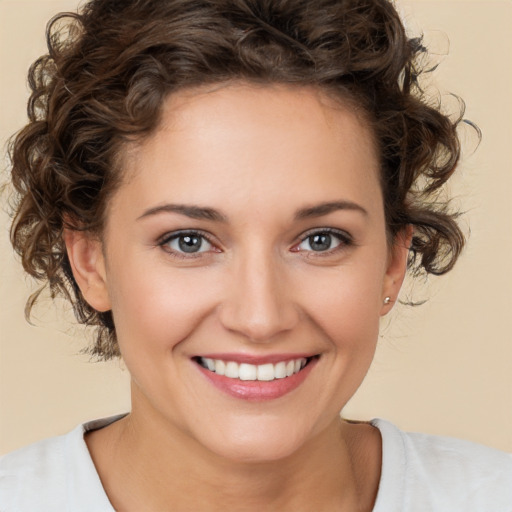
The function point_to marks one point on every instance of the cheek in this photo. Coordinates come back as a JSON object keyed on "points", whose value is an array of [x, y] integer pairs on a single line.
{"points": [[350, 324], [346, 303], [155, 310], [345, 307]]}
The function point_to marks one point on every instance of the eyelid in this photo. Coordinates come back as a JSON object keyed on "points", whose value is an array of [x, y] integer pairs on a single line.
{"points": [[344, 235], [165, 239], [346, 239]]}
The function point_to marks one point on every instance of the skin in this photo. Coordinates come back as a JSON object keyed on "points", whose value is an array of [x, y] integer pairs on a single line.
{"points": [[257, 155]]}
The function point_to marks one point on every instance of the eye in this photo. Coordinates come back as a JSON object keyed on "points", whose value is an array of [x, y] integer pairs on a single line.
{"points": [[186, 242], [326, 240]]}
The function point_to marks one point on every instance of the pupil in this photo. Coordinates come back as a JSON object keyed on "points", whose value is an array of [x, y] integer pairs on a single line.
{"points": [[190, 243], [320, 242]]}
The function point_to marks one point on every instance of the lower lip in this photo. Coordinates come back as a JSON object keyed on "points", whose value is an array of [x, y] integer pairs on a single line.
{"points": [[258, 390]]}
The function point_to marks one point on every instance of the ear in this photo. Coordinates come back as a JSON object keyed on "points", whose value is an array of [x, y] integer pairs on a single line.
{"points": [[396, 269], [88, 265]]}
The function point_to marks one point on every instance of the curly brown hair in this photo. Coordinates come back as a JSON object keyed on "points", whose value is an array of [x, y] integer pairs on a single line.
{"points": [[110, 67]]}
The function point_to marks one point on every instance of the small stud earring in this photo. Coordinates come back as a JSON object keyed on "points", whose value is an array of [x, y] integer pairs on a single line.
{"points": [[387, 300]]}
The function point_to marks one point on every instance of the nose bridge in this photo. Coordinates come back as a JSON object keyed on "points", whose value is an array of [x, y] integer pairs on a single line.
{"points": [[258, 303]]}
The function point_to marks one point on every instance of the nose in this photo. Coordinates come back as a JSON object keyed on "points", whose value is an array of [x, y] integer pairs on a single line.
{"points": [[259, 301]]}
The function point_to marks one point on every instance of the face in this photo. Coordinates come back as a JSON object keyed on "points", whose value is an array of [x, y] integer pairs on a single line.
{"points": [[246, 263]]}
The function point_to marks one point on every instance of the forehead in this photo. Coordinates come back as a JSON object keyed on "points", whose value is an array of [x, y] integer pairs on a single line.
{"points": [[265, 111], [255, 142]]}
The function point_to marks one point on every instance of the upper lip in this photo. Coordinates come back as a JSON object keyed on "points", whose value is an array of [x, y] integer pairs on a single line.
{"points": [[257, 359]]}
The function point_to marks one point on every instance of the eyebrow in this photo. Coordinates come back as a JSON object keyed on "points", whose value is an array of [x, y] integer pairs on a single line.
{"points": [[194, 212], [205, 213], [329, 207]]}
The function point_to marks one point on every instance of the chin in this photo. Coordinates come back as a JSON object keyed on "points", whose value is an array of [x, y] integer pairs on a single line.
{"points": [[259, 441]]}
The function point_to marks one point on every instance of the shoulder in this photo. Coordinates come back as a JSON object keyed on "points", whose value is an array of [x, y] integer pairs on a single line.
{"points": [[443, 473], [36, 470], [54, 474]]}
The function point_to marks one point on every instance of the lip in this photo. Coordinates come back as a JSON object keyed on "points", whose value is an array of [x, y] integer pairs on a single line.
{"points": [[257, 391]]}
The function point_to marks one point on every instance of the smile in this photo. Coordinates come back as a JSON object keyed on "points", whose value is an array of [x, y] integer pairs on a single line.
{"points": [[252, 372], [255, 378]]}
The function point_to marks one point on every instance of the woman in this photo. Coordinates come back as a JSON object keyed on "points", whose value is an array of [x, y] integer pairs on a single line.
{"points": [[231, 193]]}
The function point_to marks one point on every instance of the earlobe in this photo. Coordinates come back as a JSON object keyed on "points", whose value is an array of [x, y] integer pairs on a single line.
{"points": [[397, 267], [88, 266]]}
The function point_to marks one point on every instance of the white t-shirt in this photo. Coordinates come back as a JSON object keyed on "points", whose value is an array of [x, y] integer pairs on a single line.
{"points": [[420, 473]]}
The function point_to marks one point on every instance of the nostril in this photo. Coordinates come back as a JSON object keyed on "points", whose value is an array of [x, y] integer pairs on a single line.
{"points": [[257, 325], [258, 317]]}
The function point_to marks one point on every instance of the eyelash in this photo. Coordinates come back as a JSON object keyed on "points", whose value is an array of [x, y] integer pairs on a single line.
{"points": [[343, 237], [169, 237]]}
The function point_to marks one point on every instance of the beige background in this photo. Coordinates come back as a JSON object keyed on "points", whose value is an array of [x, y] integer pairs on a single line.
{"points": [[444, 368]]}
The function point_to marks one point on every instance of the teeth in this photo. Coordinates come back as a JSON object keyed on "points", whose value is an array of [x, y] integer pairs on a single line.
{"points": [[280, 370], [220, 366], [266, 372], [245, 371], [290, 368], [231, 370]]}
